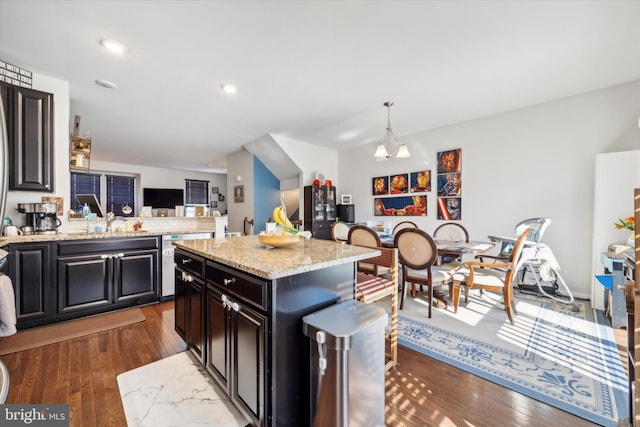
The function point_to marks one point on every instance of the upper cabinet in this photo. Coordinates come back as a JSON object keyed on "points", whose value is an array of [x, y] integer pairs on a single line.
{"points": [[29, 116]]}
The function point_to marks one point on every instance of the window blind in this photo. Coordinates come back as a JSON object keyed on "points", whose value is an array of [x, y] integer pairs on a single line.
{"points": [[197, 192], [83, 183], [120, 193]]}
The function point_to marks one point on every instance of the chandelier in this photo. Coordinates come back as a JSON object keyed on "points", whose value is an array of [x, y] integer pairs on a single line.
{"points": [[384, 150]]}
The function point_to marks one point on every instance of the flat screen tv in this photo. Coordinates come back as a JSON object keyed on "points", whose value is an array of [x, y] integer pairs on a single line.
{"points": [[163, 198]]}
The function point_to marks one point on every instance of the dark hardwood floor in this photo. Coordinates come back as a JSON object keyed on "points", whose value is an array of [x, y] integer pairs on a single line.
{"points": [[419, 391]]}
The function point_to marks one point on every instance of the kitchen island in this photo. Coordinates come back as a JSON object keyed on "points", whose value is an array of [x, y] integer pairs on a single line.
{"points": [[239, 307]]}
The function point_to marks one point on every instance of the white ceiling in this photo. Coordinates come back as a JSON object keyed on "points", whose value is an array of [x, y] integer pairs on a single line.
{"points": [[315, 71]]}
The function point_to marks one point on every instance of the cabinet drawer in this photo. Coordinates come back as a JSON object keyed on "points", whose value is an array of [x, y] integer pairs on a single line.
{"points": [[189, 262], [75, 247], [242, 286]]}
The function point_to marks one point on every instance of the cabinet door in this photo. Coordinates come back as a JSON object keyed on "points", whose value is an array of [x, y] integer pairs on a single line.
{"points": [[195, 317], [136, 275], [84, 282], [180, 299], [30, 131], [218, 332], [30, 272], [249, 361]]}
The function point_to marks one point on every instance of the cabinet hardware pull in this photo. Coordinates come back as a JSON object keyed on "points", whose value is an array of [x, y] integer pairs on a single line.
{"points": [[228, 282], [189, 278], [224, 301], [120, 255], [186, 261], [105, 256], [236, 306]]}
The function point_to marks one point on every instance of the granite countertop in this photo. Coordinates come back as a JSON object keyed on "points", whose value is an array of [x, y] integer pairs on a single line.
{"points": [[247, 254], [81, 235]]}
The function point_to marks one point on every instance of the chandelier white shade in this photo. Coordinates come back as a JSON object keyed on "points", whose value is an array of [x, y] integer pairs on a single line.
{"points": [[385, 150]]}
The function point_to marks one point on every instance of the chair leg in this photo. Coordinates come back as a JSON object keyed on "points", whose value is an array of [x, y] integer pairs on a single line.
{"points": [[507, 303], [456, 295], [404, 291], [430, 298], [413, 290]]}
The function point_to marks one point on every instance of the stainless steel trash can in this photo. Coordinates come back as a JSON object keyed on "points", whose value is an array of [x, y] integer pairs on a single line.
{"points": [[347, 364]]}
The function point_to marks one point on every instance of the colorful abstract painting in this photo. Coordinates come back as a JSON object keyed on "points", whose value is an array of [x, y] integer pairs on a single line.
{"points": [[400, 206]]}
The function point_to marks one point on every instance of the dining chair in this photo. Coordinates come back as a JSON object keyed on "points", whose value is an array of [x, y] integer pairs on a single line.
{"points": [[404, 224], [495, 277], [361, 235], [418, 252], [339, 231], [373, 288], [450, 231]]}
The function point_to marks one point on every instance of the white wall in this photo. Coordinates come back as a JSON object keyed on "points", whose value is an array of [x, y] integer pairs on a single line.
{"points": [[537, 161], [239, 164]]}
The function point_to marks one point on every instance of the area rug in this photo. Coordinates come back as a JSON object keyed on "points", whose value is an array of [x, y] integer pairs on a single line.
{"points": [[563, 358], [175, 391], [36, 337]]}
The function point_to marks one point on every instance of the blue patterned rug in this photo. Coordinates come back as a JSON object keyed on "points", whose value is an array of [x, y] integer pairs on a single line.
{"points": [[565, 359]]}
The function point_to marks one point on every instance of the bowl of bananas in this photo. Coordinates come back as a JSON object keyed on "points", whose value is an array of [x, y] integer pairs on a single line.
{"points": [[279, 240]]}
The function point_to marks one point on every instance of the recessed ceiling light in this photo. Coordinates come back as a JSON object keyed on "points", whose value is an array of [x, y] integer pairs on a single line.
{"points": [[113, 45], [229, 88], [107, 84]]}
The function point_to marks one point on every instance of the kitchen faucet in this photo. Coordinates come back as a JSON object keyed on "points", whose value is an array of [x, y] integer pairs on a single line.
{"points": [[110, 218]]}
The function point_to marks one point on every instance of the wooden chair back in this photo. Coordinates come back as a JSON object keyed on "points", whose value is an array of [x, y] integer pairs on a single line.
{"points": [[339, 231], [361, 235], [416, 248], [451, 231], [404, 224]]}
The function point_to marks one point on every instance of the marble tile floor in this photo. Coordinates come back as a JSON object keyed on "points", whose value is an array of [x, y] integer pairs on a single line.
{"points": [[175, 391]]}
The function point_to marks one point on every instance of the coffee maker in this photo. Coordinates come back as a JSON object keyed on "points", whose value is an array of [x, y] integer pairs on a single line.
{"points": [[41, 217]]}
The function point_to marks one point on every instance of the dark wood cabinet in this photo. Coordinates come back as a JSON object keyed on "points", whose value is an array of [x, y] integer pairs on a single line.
{"points": [[85, 282], [67, 279], [236, 351], [190, 302], [320, 210], [180, 299], [106, 279], [254, 345], [30, 268], [29, 116]]}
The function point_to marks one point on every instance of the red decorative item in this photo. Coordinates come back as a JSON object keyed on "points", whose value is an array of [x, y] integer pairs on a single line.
{"points": [[327, 183], [317, 182]]}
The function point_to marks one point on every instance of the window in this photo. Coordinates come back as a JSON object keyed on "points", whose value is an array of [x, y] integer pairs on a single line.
{"points": [[120, 191], [83, 183], [197, 192]]}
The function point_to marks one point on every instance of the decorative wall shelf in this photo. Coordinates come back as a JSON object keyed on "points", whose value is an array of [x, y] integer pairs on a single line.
{"points": [[80, 153]]}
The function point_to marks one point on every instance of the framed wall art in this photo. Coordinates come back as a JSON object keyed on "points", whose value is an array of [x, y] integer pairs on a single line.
{"points": [[449, 161], [238, 194], [399, 184], [420, 181], [450, 208], [449, 184], [400, 206], [380, 185]]}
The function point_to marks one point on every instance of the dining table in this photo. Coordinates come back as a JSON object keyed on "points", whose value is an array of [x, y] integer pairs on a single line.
{"points": [[448, 248]]}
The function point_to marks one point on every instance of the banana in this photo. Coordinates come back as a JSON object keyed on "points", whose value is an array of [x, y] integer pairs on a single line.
{"points": [[276, 214], [279, 216]]}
